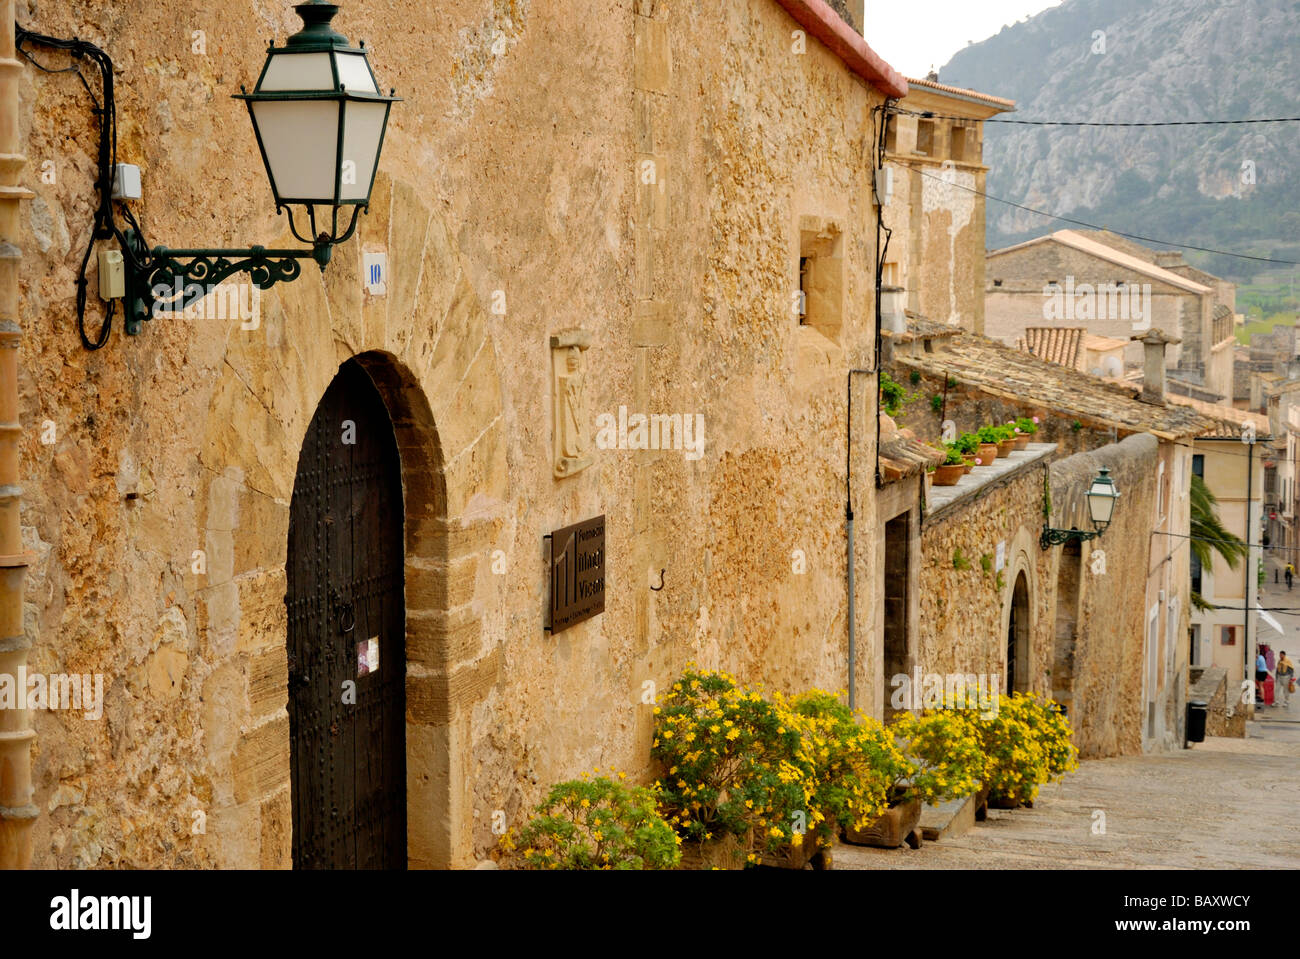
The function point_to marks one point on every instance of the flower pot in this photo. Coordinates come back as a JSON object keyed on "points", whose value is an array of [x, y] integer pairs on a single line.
{"points": [[728, 852], [1006, 802], [1022, 441], [987, 453], [947, 475], [1006, 447], [889, 831], [806, 853], [967, 466]]}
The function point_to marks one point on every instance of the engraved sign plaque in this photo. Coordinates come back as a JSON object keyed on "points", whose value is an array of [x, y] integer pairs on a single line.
{"points": [[577, 573]]}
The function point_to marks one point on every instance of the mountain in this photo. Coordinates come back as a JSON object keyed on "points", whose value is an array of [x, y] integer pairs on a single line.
{"points": [[1131, 60]]}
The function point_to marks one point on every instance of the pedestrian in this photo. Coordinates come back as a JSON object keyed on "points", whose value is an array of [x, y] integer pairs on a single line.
{"points": [[1284, 676], [1261, 674], [1290, 572]]}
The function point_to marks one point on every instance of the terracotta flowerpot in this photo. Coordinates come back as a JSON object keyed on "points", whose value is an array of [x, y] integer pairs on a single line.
{"points": [[1006, 447], [1022, 441], [947, 475], [987, 453], [889, 831], [728, 852], [968, 466]]}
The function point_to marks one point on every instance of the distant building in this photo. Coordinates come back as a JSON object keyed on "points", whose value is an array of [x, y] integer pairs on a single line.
{"points": [[936, 213], [1114, 288]]}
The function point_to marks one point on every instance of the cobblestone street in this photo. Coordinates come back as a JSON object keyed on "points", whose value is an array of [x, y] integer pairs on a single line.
{"points": [[1220, 805]]}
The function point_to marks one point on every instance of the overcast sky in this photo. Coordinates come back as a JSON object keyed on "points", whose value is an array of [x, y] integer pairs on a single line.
{"points": [[914, 36]]}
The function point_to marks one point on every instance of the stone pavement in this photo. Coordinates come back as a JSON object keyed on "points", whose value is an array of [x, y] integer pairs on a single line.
{"points": [[1219, 805]]}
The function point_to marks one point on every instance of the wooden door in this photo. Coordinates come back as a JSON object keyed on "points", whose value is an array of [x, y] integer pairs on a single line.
{"points": [[346, 641]]}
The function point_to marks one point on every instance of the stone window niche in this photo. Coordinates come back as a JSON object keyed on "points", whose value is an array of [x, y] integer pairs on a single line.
{"points": [[925, 137], [821, 276]]}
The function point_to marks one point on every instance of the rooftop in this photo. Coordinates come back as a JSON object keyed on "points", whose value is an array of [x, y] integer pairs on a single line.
{"points": [[963, 93], [1024, 379], [1056, 344], [1085, 244], [1225, 422]]}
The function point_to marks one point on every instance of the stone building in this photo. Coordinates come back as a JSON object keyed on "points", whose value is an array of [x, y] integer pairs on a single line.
{"points": [[934, 153], [696, 242], [969, 381], [1115, 288], [1229, 457]]}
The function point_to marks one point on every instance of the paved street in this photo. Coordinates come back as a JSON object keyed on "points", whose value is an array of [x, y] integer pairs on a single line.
{"points": [[1221, 804]]}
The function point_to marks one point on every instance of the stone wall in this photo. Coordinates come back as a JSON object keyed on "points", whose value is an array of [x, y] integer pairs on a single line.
{"points": [[633, 183], [1100, 621]]}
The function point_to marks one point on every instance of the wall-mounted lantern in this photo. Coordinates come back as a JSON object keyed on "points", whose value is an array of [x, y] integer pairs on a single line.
{"points": [[1101, 496], [319, 118]]}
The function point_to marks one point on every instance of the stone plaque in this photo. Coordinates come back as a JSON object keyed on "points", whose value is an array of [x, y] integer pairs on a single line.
{"points": [[577, 573], [572, 445]]}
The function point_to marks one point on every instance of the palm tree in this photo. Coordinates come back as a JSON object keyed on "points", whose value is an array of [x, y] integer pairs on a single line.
{"points": [[1209, 536]]}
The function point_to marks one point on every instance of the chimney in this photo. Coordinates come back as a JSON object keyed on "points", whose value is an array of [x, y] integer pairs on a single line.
{"points": [[1170, 258], [1153, 365]]}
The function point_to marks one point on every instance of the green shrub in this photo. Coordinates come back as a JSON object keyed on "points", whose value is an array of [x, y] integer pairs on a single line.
{"points": [[595, 824]]}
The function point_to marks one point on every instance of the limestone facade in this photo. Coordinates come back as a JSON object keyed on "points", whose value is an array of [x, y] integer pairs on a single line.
{"points": [[627, 181]]}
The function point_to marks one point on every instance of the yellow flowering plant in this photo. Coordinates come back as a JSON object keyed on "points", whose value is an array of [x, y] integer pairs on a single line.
{"points": [[855, 760], [732, 761], [945, 750], [594, 824], [1026, 743]]}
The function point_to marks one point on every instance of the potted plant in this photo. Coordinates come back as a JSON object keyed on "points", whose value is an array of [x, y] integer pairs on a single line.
{"points": [[951, 470], [1026, 743], [594, 824], [988, 448], [968, 444], [848, 749], [897, 823], [734, 769], [1026, 427], [1006, 439]]}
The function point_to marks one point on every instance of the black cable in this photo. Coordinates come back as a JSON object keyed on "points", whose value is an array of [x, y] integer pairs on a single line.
{"points": [[930, 115], [105, 224], [1093, 226]]}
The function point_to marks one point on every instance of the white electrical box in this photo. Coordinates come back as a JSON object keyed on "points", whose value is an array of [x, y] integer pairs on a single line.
{"points": [[884, 185], [126, 182], [112, 275]]}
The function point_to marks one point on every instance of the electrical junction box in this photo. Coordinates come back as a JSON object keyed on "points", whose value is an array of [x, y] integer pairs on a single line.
{"points": [[884, 185], [126, 182], [112, 275]]}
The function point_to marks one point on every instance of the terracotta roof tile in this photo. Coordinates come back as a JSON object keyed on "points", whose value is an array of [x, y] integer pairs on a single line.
{"points": [[1056, 344]]}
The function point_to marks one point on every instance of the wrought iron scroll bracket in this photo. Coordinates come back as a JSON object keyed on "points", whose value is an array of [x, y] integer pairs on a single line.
{"points": [[1059, 537], [170, 280]]}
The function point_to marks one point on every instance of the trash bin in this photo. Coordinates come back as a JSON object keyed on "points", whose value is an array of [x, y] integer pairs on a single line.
{"points": [[1197, 712]]}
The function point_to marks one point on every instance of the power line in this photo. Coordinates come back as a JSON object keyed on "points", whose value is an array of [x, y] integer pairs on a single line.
{"points": [[1093, 226], [930, 115]]}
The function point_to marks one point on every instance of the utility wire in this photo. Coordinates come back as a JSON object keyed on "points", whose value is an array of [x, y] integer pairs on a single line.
{"points": [[930, 115], [1093, 226]]}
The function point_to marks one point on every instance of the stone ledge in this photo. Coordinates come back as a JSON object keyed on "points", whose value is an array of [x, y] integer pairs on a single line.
{"points": [[943, 499]]}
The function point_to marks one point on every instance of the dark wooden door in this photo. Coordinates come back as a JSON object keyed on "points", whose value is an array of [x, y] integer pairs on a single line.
{"points": [[346, 642]]}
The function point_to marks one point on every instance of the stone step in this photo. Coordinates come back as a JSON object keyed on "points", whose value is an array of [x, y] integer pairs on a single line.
{"points": [[948, 819]]}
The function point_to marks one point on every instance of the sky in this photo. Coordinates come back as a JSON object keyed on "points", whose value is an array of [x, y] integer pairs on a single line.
{"points": [[912, 37]]}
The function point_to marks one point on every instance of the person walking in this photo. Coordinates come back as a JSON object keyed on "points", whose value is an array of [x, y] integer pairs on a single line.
{"points": [[1290, 572], [1283, 676]]}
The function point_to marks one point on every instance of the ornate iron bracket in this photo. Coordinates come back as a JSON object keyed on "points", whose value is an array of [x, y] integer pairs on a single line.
{"points": [[166, 280], [1059, 537]]}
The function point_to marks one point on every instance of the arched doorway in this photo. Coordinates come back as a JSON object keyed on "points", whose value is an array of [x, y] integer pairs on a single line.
{"points": [[1018, 637], [346, 635]]}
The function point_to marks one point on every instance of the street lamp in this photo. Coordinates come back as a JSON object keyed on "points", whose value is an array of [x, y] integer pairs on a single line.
{"points": [[1101, 497], [319, 119]]}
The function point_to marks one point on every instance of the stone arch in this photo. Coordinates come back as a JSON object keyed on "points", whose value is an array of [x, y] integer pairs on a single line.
{"points": [[1021, 566], [426, 346]]}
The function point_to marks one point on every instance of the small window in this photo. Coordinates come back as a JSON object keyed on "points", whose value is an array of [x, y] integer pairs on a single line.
{"points": [[1198, 465], [1196, 574], [821, 276], [925, 137], [804, 262], [1227, 635], [958, 149], [997, 282]]}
